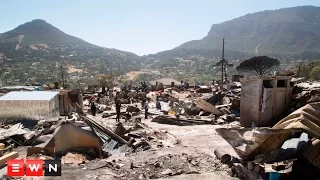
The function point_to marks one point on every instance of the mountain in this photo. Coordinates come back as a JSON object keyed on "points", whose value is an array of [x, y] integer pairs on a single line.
{"points": [[33, 50], [40, 32], [287, 31], [40, 40]]}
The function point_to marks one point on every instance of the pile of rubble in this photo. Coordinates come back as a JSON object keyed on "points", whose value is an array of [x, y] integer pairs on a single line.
{"points": [[172, 165], [185, 107], [287, 149], [305, 93], [82, 139]]}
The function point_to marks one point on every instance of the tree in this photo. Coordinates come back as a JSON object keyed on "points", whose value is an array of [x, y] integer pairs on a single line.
{"points": [[102, 79], [259, 65], [315, 73], [306, 69], [106, 80]]}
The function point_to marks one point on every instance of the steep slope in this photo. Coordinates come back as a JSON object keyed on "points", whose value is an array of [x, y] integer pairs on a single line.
{"points": [[38, 42], [285, 31], [40, 32], [38, 39]]}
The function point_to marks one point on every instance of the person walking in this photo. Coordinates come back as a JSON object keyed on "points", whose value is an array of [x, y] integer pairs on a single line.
{"points": [[158, 105], [93, 109], [118, 107], [91, 99], [146, 108], [217, 96]]}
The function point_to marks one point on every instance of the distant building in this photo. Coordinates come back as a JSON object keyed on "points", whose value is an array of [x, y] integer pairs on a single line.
{"points": [[166, 81], [236, 78], [18, 88], [34, 105], [67, 96], [2, 57]]}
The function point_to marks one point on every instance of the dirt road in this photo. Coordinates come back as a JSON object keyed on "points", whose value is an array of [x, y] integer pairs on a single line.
{"points": [[187, 153]]}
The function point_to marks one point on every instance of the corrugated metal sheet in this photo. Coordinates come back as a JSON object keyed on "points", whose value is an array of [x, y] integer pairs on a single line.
{"points": [[30, 88], [250, 142], [293, 146], [109, 145], [27, 96]]}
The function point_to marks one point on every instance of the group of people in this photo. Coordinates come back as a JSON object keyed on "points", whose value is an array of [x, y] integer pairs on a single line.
{"points": [[117, 102], [118, 107], [184, 84], [143, 87], [145, 103]]}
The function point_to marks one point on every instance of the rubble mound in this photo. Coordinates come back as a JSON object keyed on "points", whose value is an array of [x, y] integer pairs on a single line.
{"points": [[172, 165]]}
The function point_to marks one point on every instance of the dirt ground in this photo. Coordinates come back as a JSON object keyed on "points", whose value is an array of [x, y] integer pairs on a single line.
{"points": [[72, 69], [187, 153], [133, 74], [20, 38]]}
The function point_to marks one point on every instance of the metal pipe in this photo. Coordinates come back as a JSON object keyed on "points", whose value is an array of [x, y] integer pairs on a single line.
{"points": [[224, 157]]}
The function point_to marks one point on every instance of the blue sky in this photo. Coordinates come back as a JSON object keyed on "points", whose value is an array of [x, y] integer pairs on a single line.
{"points": [[138, 26]]}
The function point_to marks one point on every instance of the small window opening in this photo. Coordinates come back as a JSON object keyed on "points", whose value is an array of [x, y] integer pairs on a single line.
{"points": [[267, 83], [282, 83]]}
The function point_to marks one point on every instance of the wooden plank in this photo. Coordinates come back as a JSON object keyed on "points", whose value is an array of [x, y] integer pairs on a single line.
{"points": [[173, 120], [208, 107], [4, 158], [103, 129], [91, 122], [280, 102], [224, 105], [250, 102], [267, 107]]}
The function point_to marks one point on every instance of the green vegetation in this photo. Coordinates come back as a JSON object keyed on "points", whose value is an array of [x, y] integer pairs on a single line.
{"points": [[106, 80], [315, 73], [308, 70], [193, 68], [259, 65], [190, 52], [43, 47]]}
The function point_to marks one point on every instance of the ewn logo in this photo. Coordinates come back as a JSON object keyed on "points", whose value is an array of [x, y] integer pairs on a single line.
{"points": [[34, 167]]}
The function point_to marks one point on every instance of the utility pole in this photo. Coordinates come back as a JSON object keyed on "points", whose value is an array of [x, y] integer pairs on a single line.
{"points": [[62, 76], [225, 73], [222, 61], [224, 64], [5, 76]]}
